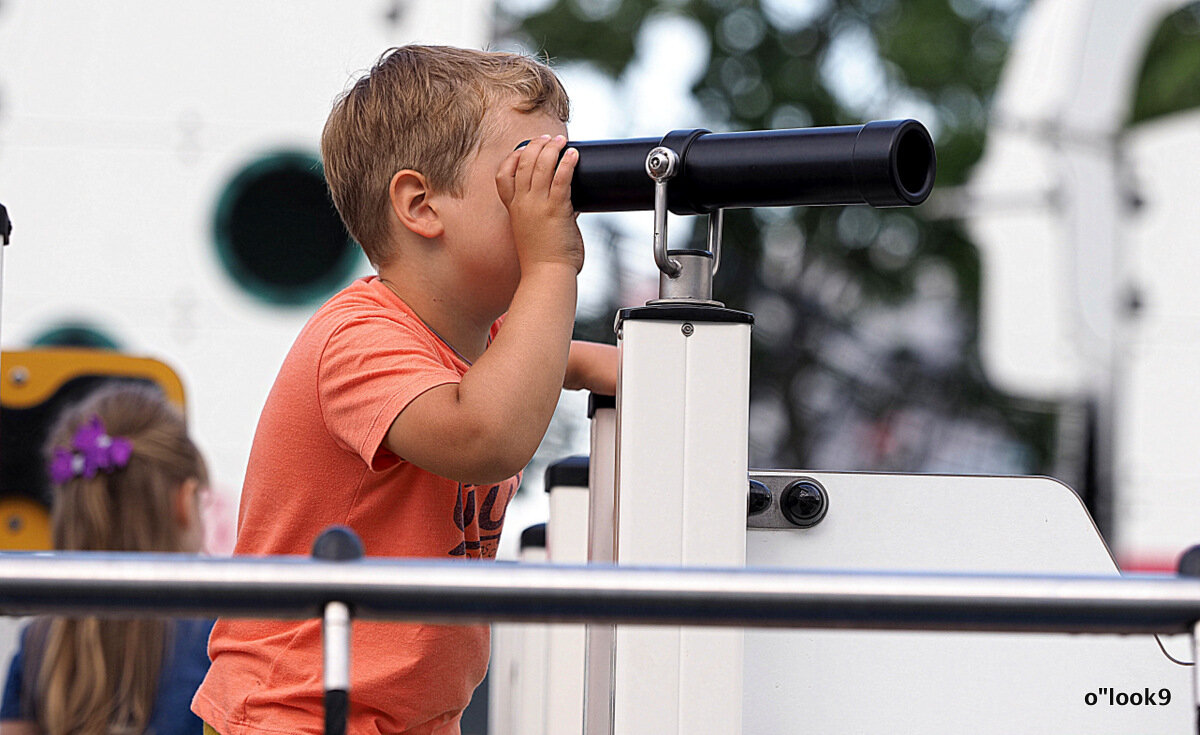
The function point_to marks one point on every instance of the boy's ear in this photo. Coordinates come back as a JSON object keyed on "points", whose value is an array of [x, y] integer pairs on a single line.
{"points": [[412, 204]]}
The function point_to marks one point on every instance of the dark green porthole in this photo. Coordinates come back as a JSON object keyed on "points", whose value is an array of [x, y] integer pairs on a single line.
{"points": [[76, 334], [278, 235]]}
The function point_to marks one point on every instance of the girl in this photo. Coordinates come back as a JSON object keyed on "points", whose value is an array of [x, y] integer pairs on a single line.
{"points": [[126, 477]]}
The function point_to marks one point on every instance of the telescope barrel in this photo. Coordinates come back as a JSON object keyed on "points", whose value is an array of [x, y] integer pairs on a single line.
{"points": [[884, 164]]}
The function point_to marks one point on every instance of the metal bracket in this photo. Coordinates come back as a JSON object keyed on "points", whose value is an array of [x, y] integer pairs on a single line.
{"points": [[1196, 672], [662, 163], [716, 225]]}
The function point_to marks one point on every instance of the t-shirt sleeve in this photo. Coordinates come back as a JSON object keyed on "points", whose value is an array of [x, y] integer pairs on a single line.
{"points": [[10, 706], [370, 370]]}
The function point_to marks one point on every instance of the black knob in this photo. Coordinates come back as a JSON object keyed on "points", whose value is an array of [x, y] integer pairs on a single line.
{"points": [[760, 498], [337, 543], [804, 503], [1189, 563]]}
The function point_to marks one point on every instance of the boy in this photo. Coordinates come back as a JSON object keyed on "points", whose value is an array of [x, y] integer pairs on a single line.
{"points": [[404, 409]]}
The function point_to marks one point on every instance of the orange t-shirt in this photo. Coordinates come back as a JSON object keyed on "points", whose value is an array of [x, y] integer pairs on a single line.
{"points": [[318, 460]]}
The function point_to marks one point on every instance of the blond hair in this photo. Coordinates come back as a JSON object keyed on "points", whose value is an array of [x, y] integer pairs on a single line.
{"points": [[101, 676], [421, 108]]}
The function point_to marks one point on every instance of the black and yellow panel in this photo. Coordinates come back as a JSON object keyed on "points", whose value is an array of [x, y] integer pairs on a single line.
{"points": [[25, 524], [35, 385]]}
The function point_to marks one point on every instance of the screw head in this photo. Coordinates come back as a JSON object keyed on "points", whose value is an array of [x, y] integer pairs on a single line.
{"points": [[661, 163], [687, 329]]}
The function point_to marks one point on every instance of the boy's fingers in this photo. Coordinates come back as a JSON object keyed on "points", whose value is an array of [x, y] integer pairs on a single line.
{"points": [[566, 169], [528, 160], [547, 162], [504, 176]]}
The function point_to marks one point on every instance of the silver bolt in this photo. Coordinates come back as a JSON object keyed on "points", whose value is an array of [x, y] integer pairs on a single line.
{"points": [[687, 329], [661, 163], [19, 375]]}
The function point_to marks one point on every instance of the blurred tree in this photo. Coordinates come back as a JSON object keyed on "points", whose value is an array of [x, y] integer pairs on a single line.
{"points": [[865, 350], [1170, 76]]}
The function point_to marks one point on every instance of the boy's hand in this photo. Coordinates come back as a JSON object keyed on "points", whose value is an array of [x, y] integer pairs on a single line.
{"points": [[535, 186], [592, 366]]}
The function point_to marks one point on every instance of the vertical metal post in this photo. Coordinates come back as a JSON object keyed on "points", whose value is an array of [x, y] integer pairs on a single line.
{"points": [[681, 492], [335, 639], [1196, 672], [337, 543], [602, 533], [679, 486], [566, 645]]}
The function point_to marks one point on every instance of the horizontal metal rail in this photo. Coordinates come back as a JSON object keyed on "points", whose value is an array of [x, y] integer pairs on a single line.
{"points": [[456, 591]]}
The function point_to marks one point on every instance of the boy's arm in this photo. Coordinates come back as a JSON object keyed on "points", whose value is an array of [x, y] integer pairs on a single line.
{"points": [[592, 366], [487, 427]]}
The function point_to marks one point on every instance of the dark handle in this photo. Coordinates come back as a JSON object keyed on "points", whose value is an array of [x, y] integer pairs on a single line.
{"points": [[5, 225], [337, 705]]}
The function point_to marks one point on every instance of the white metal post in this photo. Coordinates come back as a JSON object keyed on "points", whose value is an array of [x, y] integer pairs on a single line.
{"points": [[528, 715], [335, 638], [517, 672], [681, 488], [602, 535], [1196, 673], [566, 543]]}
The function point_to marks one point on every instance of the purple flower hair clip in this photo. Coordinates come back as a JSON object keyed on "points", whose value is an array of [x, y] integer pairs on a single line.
{"points": [[92, 450]]}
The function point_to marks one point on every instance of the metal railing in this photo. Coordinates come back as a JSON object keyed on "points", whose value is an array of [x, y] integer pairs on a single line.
{"points": [[124, 584], [299, 587]]}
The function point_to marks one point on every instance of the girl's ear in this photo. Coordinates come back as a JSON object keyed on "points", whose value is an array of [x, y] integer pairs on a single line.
{"points": [[409, 194], [186, 510]]}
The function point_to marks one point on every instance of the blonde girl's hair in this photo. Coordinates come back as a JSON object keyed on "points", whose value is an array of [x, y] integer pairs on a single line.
{"points": [[421, 108], [101, 676]]}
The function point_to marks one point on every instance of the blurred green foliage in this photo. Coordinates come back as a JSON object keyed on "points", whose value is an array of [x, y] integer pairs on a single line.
{"points": [[1170, 76], [768, 68], [770, 65]]}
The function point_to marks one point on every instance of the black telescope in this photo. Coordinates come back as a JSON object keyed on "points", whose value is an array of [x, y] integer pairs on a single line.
{"points": [[885, 164]]}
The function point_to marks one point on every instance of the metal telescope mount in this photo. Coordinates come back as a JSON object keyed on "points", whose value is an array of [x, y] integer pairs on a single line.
{"points": [[680, 462], [686, 275]]}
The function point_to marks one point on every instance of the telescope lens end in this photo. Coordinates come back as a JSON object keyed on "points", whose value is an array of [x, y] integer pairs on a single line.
{"points": [[915, 163], [894, 163]]}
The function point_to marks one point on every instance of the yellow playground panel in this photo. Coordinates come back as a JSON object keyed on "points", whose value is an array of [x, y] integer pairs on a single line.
{"points": [[34, 386]]}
